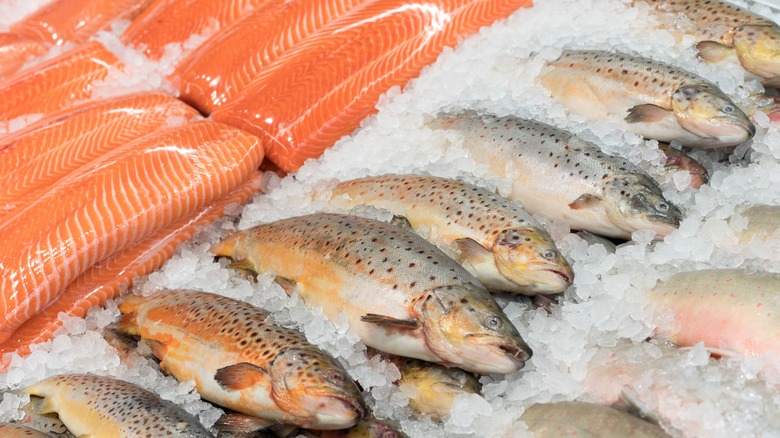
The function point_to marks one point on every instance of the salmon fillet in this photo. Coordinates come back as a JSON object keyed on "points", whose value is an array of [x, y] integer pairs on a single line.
{"points": [[15, 51], [109, 278], [174, 21], [58, 83], [226, 63], [34, 158], [113, 202], [322, 89]]}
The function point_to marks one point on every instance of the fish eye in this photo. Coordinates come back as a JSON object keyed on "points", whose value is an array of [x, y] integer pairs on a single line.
{"points": [[493, 322], [662, 206], [728, 109], [549, 254]]}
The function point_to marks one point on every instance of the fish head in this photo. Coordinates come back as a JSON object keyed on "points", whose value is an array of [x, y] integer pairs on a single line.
{"points": [[634, 201], [436, 387], [464, 327], [758, 49], [706, 112], [528, 256], [315, 388]]}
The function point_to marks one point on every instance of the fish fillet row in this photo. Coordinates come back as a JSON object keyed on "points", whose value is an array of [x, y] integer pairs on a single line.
{"points": [[302, 107], [34, 158], [113, 202], [231, 59], [59, 22], [174, 21], [107, 279], [56, 84]]}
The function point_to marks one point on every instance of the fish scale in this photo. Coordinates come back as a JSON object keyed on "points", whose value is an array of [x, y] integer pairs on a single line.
{"points": [[563, 177], [497, 239], [211, 339], [105, 407], [401, 294]]}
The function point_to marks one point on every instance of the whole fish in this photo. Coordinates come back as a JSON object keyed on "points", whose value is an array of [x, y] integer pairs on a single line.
{"points": [[554, 420], [498, 240], [432, 388], [16, 431], [729, 310], [401, 294], [723, 32], [563, 177], [646, 97], [240, 361], [105, 407]]}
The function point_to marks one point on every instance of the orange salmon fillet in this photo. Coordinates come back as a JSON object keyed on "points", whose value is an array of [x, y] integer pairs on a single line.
{"points": [[226, 63], [34, 158], [58, 83], [174, 21], [322, 89], [109, 278], [113, 202], [15, 51]]}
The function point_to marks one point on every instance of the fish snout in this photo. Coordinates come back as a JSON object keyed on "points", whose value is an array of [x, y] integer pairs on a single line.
{"points": [[339, 411]]}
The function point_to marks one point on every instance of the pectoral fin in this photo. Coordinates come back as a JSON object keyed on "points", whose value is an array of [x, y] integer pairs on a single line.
{"points": [[48, 406], [239, 376], [585, 201], [243, 265], [241, 423], [472, 251], [373, 318], [157, 347], [712, 51], [286, 284], [646, 113]]}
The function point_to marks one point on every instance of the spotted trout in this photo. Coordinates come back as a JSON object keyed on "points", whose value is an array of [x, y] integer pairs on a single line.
{"points": [[239, 360], [400, 293], [563, 177], [105, 407], [646, 97], [496, 238], [724, 33]]}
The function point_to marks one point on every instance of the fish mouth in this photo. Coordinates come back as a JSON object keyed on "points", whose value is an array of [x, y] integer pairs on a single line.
{"points": [[518, 354], [353, 404], [564, 275]]}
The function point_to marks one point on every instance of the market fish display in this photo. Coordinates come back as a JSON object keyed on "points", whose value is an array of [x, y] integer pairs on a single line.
{"points": [[111, 276], [17, 431], [58, 83], [432, 388], [33, 159], [323, 89], [400, 293], [241, 361], [117, 200], [225, 64], [557, 174], [497, 239], [646, 97], [555, 420], [98, 406], [729, 310], [724, 31]]}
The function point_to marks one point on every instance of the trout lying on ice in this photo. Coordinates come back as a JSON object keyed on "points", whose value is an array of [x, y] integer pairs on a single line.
{"points": [[498, 240], [240, 361], [401, 294], [646, 97], [724, 33], [554, 420], [557, 174]]}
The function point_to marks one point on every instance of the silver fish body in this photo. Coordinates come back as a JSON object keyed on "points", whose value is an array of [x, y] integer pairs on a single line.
{"points": [[563, 177], [496, 238], [646, 97], [401, 294]]}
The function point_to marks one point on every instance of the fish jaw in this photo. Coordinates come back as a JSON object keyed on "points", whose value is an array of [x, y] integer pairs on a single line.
{"points": [[714, 118], [317, 390], [634, 202], [528, 258], [758, 50], [464, 327]]}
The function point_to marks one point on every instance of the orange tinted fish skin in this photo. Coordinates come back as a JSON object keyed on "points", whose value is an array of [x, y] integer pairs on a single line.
{"points": [[174, 21], [105, 407], [107, 279], [323, 91], [117, 200], [243, 362], [33, 159], [224, 65], [401, 294], [56, 84]]}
